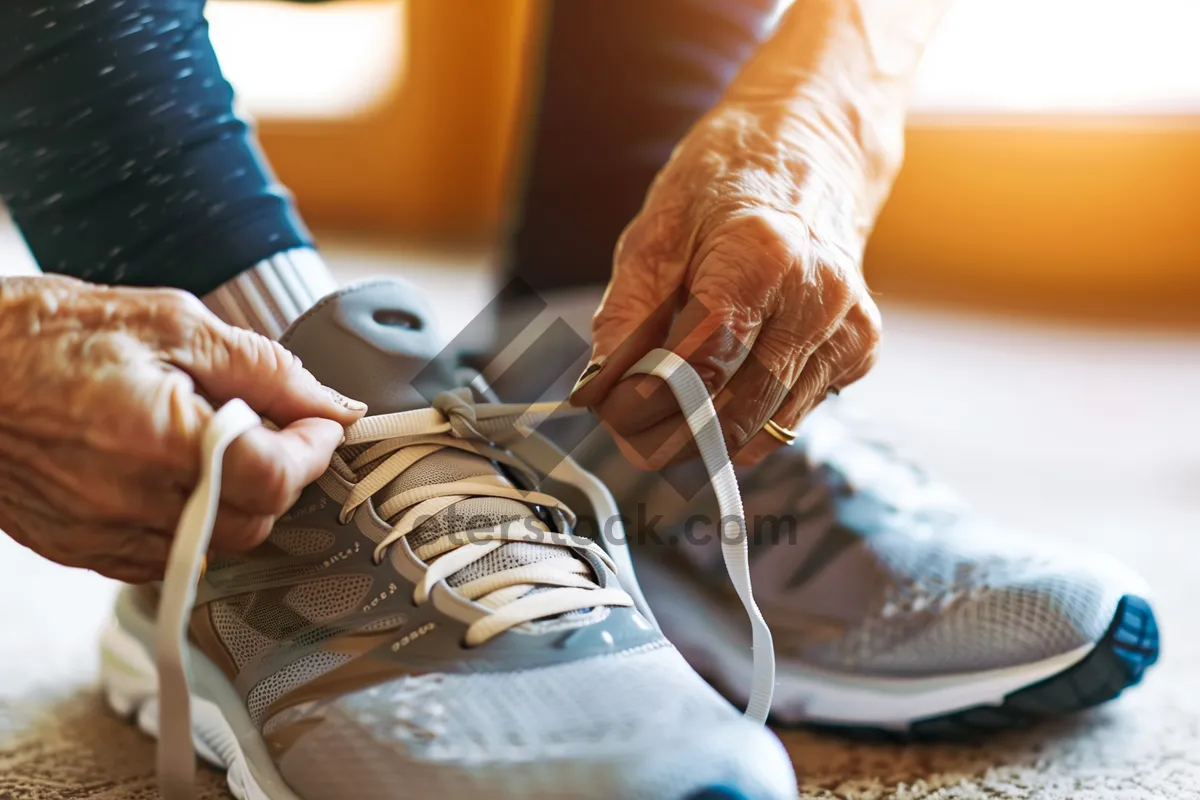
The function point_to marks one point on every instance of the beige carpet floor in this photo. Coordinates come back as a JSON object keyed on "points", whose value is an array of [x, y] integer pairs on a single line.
{"points": [[1089, 435]]}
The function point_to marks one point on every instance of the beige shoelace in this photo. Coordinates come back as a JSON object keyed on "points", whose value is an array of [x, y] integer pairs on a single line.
{"points": [[401, 440]]}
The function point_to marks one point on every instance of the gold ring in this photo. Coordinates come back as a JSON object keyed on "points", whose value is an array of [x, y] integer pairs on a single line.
{"points": [[785, 435]]}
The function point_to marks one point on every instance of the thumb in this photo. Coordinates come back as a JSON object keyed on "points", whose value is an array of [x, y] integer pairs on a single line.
{"points": [[635, 313], [233, 362]]}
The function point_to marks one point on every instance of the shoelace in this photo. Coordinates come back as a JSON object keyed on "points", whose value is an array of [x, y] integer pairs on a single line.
{"points": [[404, 438]]}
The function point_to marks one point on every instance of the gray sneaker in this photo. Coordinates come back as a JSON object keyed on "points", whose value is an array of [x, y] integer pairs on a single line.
{"points": [[424, 622], [896, 609]]}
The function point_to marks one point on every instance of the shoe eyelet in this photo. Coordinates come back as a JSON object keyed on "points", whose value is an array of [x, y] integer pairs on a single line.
{"points": [[397, 318]]}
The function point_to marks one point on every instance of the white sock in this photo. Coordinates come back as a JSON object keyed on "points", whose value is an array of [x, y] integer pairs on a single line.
{"points": [[273, 293]]}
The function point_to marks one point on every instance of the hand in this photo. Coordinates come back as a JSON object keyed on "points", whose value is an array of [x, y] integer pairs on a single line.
{"points": [[745, 260], [104, 397]]}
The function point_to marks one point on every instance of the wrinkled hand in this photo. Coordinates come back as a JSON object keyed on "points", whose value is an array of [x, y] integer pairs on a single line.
{"points": [[745, 260], [104, 397]]}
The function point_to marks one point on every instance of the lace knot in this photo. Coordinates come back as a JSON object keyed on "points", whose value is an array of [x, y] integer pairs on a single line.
{"points": [[458, 408]]}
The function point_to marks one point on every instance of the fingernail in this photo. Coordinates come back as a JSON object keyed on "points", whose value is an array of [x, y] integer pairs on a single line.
{"points": [[345, 402], [589, 373]]}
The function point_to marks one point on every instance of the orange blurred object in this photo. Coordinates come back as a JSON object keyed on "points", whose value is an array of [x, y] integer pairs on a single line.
{"points": [[434, 155], [1038, 210], [1085, 210]]}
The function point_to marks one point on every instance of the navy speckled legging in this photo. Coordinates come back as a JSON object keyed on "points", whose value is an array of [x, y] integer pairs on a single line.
{"points": [[122, 161]]}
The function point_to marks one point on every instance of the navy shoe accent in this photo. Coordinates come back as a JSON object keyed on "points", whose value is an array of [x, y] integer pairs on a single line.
{"points": [[718, 793]]}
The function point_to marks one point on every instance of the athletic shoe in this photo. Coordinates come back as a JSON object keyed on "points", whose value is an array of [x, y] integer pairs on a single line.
{"points": [[895, 608], [425, 621]]}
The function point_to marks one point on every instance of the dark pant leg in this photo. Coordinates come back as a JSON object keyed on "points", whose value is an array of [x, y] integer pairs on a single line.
{"points": [[623, 82], [121, 158]]}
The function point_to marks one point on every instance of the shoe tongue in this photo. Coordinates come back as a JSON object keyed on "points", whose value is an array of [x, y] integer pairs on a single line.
{"points": [[375, 342]]}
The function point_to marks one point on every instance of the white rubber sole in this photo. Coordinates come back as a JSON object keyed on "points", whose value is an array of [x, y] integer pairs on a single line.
{"points": [[222, 732], [719, 650]]}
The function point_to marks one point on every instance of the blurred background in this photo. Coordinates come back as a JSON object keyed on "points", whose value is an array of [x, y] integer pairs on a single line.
{"points": [[1038, 267]]}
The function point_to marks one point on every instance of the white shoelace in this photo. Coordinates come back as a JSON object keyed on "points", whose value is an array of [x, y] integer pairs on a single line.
{"points": [[402, 439]]}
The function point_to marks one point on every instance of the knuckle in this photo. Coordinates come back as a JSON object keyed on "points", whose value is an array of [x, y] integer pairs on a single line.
{"points": [[179, 308], [737, 436], [255, 354], [241, 533], [834, 290], [865, 366], [184, 303], [769, 230], [276, 486], [870, 337], [867, 324], [176, 416], [130, 543], [192, 339], [255, 532], [616, 314], [267, 356], [870, 361], [757, 250], [280, 356], [655, 236], [857, 372]]}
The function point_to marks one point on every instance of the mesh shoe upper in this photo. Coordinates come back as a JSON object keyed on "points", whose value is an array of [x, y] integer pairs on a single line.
{"points": [[863, 564]]}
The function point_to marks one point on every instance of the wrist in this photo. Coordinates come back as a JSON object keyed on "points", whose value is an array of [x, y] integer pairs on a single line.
{"points": [[843, 70]]}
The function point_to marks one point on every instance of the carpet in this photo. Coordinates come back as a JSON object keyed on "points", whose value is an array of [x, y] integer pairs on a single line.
{"points": [[1145, 746]]}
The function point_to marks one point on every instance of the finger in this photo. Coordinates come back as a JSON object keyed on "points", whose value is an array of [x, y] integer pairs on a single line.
{"points": [[141, 501], [866, 316], [115, 551], [95, 488], [856, 372], [636, 311], [810, 390], [236, 531], [265, 470], [228, 362], [132, 572], [705, 335], [759, 267], [668, 442], [777, 369]]}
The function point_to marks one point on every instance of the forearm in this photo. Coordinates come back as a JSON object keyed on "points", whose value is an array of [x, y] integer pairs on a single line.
{"points": [[839, 74], [121, 158]]}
